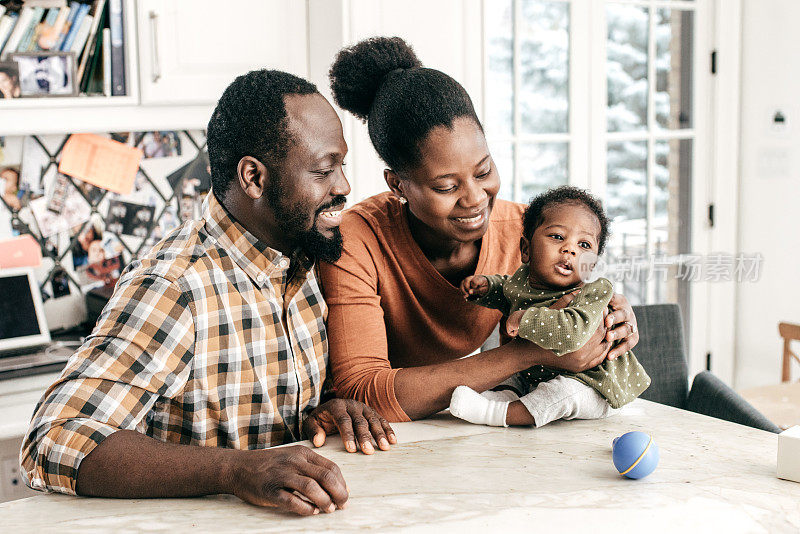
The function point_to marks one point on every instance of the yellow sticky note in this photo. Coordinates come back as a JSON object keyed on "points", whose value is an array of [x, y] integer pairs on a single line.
{"points": [[101, 162]]}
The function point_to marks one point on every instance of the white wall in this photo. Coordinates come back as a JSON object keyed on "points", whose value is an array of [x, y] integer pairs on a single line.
{"points": [[769, 195], [447, 37]]}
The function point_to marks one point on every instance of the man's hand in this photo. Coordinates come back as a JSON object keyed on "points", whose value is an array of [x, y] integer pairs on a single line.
{"points": [[351, 419], [130, 465], [474, 286], [294, 479], [621, 325]]}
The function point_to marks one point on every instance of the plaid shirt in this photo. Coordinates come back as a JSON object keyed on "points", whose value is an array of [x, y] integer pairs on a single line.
{"points": [[204, 342]]}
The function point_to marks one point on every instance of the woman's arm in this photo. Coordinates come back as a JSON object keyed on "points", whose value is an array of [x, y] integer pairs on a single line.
{"points": [[423, 391]]}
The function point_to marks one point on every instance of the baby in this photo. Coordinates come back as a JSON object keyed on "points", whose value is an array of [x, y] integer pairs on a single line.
{"points": [[564, 231]]}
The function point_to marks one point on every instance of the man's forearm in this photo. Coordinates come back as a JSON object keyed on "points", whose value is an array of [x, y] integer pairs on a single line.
{"points": [[422, 391], [129, 464]]}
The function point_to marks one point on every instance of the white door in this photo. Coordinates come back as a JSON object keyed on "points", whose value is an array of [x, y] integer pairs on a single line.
{"points": [[190, 51]]}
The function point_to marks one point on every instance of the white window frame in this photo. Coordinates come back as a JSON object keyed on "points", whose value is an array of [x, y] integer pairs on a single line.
{"points": [[714, 132]]}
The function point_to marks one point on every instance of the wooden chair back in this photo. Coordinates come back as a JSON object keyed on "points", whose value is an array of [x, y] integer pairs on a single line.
{"points": [[789, 332]]}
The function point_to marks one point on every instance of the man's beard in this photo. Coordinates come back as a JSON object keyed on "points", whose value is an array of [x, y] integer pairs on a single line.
{"points": [[311, 241], [316, 245]]}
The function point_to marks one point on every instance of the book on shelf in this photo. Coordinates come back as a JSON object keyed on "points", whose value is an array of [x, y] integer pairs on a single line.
{"points": [[92, 78], [74, 26], [80, 14], [20, 27], [81, 36], [74, 8], [117, 47], [98, 10], [107, 62], [30, 33], [49, 20], [7, 22]]}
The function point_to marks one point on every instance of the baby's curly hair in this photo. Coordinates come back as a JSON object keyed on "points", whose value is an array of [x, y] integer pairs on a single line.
{"points": [[565, 194]]}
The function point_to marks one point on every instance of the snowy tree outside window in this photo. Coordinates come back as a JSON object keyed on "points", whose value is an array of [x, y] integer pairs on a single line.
{"points": [[648, 115]]}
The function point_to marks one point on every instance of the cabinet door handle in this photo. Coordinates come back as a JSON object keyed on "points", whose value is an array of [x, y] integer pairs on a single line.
{"points": [[155, 64]]}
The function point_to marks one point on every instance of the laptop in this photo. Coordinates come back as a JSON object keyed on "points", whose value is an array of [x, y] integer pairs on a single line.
{"points": [[23, 327]]}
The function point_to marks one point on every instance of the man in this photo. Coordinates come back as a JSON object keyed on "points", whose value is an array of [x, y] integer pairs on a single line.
{"points": [[213, 346]]}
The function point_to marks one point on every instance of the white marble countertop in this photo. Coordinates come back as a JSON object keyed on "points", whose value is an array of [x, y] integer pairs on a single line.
{"points": [[446, 475]]}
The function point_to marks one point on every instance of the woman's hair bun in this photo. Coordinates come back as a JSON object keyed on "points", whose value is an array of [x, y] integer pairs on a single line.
{"points": [[359, 70]]}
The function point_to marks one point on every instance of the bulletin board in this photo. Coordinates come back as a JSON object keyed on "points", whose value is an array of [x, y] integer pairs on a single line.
{"points": [[87, 233]]}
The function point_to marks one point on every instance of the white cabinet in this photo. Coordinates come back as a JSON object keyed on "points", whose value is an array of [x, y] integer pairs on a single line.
{"points": [[190, 51]]}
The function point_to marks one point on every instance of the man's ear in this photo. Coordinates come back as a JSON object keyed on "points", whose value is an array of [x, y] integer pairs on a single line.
{"points": [[253, 177], [394, 182], [525, 249]]}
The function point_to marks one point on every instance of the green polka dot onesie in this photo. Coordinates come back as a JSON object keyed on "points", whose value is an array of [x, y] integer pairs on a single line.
{"points": [[563, 331]]}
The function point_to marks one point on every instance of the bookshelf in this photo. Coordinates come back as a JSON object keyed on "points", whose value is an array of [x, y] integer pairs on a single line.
{"points": [[23, 116], [196, 49]]}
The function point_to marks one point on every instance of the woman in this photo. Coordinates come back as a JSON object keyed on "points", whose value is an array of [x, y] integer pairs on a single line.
{"points": [[398, 326]]}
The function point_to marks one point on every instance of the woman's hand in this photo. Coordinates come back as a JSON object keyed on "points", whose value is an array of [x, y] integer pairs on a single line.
{"points": [[474, 286], [621, 325], [354, 421]]}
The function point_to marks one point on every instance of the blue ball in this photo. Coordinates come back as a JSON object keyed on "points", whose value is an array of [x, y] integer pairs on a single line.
{"points": [[635, 454]]}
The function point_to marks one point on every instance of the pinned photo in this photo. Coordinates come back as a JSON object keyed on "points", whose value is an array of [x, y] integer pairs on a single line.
{"points": [[60, 284], [197, 173], [126, 218], [159, 144], [144, 192], [35, 168], [9, 80], [104, 272], [88, 248], [61, 188], [168, 221], [93, 246], [9, 187], [75, 211], [46, 73]]}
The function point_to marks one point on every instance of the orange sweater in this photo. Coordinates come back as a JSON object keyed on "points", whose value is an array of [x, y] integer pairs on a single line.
{"points": [[389, 308]]}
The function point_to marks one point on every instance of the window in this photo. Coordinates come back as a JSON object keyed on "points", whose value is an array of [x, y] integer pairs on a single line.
{"points": [[527, 94], [649, 142], [626, 131]]}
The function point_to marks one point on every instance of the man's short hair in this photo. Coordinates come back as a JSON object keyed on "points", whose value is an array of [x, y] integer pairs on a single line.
{"points": [[250, 120]]}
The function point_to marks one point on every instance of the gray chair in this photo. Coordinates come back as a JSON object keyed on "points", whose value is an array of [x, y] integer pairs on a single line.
{"points": [[661, 352]]}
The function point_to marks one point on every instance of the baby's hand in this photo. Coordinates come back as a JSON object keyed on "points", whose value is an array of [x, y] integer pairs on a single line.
{"points": [[474, 286], [512, 323]]}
